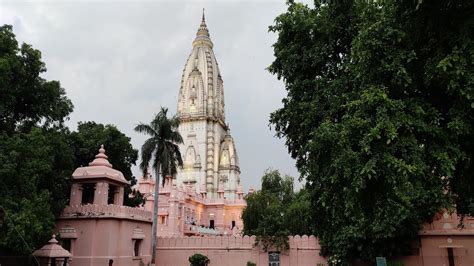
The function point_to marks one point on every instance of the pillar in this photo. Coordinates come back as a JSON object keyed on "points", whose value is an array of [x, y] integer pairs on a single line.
{"points": [[101, 193], [76, 194], [118, 196]]}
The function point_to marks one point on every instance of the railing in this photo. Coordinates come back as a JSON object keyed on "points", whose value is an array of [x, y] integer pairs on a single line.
{"points": [[200, 230], [105, 211]]}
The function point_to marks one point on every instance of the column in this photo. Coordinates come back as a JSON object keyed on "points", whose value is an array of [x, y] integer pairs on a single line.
{"points": [[76, 194], [118, 196], [101, 193]]}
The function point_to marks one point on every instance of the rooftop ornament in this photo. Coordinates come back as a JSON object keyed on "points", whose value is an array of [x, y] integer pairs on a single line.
{"points": [[52, 254]]}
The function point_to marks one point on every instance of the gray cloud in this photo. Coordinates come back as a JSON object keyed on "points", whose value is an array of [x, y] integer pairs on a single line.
{"points": [[120, 61]]}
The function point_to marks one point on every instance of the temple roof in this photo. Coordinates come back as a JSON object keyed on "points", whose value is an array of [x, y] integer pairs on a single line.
{"points": [[99, 168], [201, 95], [52, 250], [202, 35]]}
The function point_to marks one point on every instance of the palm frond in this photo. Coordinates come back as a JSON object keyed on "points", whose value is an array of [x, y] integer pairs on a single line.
{"points": [[146, 154], [147, 129]]}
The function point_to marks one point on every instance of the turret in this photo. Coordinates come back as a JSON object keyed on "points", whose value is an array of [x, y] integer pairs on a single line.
{"points": [[98, 183]]}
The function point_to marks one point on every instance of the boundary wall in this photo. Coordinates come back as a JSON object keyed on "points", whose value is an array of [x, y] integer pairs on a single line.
{"points": [[235, 251]]}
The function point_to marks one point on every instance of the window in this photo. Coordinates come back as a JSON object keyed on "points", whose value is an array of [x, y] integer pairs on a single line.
{"points": [[66, 244], [274, 258], [450, 257], [233, 225], [211, 224], [136, 247], [88, 193]]}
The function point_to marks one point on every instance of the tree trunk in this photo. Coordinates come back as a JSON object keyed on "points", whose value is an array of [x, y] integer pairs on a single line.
{"points": [[155, 215]]}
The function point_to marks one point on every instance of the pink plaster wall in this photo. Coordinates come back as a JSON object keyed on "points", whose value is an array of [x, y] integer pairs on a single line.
{"points": [[235, 251], [106, 232], [230, 251]]}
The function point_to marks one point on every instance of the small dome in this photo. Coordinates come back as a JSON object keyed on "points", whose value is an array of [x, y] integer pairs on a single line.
{"points": [[52, 250], [99, 168]]}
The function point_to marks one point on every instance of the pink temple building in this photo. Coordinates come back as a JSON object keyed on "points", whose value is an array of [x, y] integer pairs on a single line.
{"points": [[206, 197], [184, 212], [95, 227]]}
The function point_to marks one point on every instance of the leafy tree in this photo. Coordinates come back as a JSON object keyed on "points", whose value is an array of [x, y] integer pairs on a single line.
{"points": [[34, 178], [26, 99], [198, 260], [85, 142], [379, 116], [298, 218], [162, 151], [35, 159], [271, 213]]}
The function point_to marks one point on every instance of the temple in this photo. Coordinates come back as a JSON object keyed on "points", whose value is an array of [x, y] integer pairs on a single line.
{"points": [[95, 227], [209, 152], [206, 198]]}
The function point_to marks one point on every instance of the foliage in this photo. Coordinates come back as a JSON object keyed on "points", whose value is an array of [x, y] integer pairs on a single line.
{"points": [[161, 149], [35, 160], [394, 263], [276, 211], [26, 99], [379, 116], [249, 263], [32, 188], [121, 154], [198, 260]]}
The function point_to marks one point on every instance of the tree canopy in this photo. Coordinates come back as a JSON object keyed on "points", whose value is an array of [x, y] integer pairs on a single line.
{"points": [[276, 211], [26, 99], [38, 153], [379, 116], [35, 160]]}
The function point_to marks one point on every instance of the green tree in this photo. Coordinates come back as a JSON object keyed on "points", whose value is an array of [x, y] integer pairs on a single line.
{"points": [[85, 142], [162, 152], [271, 213], [198, 260], [26, 99], [379, 116], [35, 172], [35, 159], [298, 218]]}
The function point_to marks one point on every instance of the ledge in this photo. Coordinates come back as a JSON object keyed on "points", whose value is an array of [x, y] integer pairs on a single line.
{"points": [[105, 211]]}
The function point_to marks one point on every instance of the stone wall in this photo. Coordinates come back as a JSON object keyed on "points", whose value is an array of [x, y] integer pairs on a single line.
{"points": [[230, 251]]}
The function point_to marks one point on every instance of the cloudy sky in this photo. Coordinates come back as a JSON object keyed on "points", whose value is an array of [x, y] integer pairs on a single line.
{"points": [[119, 61]]}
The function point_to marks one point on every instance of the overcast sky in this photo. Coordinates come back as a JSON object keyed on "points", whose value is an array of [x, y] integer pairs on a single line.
{"points": [[119, 61]]}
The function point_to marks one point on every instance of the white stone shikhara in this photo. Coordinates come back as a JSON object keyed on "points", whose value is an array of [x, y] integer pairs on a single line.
{"points": [[209, 153]]}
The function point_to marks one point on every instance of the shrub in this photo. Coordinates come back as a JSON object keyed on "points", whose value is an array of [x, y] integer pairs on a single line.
{"points": [[198, 260], [249, 263]]}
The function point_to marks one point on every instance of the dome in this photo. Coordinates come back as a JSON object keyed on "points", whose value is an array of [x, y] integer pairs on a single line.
{"points": [[99, 168]]}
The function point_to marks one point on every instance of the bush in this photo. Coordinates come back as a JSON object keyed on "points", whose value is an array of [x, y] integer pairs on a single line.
{"points": [[198, 260], [249, 263]]}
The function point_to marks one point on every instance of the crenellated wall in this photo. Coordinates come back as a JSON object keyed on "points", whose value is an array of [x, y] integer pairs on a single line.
{"points": [[230, 251], [444, 236]]}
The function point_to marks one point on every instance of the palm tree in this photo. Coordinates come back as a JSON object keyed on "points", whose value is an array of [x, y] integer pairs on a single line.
{"points": [[162, 150]]}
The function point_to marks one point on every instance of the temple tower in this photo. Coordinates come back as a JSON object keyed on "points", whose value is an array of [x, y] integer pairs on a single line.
{"points": [[209, 153]]}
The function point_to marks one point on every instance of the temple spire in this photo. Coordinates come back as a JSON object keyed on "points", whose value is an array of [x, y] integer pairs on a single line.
{"points": [[202, 35]]}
